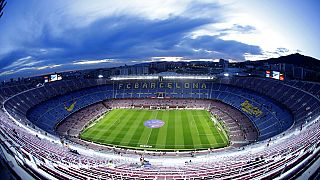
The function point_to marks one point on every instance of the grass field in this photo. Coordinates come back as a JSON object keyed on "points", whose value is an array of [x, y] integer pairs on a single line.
{"points": [[183, 130]]}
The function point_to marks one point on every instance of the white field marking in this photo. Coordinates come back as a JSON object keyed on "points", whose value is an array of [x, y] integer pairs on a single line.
{"points": [[194, 124], [212, 134], [208, 126], [131, 134], [221, 130], [206, 134], [118, 119], [206, 123], [97, 120], [106, 129], [162, 145]]}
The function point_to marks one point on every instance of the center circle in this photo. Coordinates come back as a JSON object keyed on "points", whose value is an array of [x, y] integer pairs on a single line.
{"points": [[153, 123]]}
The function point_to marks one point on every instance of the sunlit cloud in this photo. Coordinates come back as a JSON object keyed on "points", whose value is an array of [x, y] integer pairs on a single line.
{"points": [[48, 67], [174, 59], [84, 62], [25, 62], [9, 72]]}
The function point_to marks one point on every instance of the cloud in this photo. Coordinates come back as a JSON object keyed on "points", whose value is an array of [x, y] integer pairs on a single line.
{"points": [[270, 54], [85, 62], [216, 47], [120, 37], [10, 72], [28, 69], [48, 67], [70, 34], [25, 61], [246, 29]]}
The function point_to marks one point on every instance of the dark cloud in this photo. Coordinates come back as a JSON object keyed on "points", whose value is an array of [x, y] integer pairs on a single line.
{"points": [[224, 48], [127, 38], [135, 38], [11, 57], [118, 37], [237, 29], [243, 29]]}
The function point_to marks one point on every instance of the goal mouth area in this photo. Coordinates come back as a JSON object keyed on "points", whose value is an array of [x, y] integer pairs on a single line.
{"points": [[171, 130]]}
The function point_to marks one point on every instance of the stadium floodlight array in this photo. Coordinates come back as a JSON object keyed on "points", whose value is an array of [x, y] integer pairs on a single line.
{"points": [[119, 78], [189, 77]]}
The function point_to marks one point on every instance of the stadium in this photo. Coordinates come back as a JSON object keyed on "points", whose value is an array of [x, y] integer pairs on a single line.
{"points": [[161, 127], [159, 90]]}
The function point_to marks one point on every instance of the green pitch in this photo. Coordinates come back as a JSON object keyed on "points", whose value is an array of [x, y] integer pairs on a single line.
{"points": [[183, 130]]}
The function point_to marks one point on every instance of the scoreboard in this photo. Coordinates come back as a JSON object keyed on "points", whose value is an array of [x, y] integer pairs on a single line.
{"points": [[275, 75], [52, 78]]}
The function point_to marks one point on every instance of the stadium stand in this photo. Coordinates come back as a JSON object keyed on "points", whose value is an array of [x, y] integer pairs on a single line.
{"points": [[26, 113], [272, 120], [73, 125]]}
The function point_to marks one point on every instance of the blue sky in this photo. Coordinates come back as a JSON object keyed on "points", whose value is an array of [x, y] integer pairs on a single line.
{"points": [[46, 36]]}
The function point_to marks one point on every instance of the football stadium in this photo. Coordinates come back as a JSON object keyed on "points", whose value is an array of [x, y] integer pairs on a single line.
{"points": [[156, 89], [162, 127]]}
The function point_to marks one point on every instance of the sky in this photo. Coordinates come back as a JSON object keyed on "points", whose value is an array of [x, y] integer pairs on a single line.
{"points": [[38, 37]]}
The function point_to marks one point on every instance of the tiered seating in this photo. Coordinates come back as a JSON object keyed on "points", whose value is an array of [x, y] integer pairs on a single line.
{"points": [[165, 103], [73, 125], [305, 105], [311, 87], [11, 89], [273, 120], [19, 105], [238, 125], [266, 160], [47, 114]]}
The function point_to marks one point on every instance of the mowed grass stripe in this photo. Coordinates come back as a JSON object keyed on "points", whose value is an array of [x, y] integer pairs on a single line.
{"points": [[207, 125], [198, 118], [221, 139], [170, 139], [162, 135], [183, 129], [133, 130], [126, 123], [111, 134], [110, 123], [147, 131], [135, 140], [187, 135], [197, 142], [155, 131], [179, 136], [95, 132], [217, 135]]}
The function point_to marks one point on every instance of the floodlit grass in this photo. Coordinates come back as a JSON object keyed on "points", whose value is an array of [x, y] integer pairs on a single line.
{"points": [[183, 130]]}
